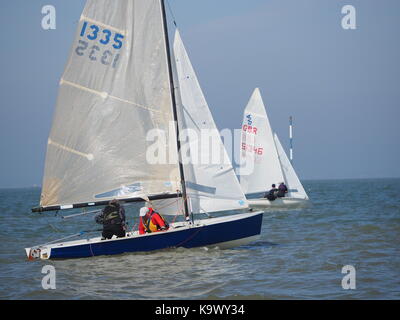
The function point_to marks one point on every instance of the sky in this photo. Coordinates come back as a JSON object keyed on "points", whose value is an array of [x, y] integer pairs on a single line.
{"points": [[341, 86]]}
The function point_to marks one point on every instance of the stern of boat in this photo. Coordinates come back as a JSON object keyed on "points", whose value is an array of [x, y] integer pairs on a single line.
{"points": [[38, 253]]}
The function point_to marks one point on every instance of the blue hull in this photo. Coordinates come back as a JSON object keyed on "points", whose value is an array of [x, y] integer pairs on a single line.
{"points": [[188, 238]]}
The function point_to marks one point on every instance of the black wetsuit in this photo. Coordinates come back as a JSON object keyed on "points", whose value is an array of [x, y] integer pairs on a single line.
{"points": [[113, 219], [271, 194]]}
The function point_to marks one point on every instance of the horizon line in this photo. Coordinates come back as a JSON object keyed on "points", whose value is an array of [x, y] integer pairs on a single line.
{"points": [[306, 179]]}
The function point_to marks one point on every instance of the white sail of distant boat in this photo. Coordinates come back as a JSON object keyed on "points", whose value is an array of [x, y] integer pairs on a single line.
{"points": [[258, 148], [296, 189], [265, 159], [121, 82]]}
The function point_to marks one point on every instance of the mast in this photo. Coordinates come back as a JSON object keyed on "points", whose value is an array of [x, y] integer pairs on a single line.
{"points": [[174, 109], [291, 139]]}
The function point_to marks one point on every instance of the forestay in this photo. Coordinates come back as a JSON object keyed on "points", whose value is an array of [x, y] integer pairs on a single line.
{"points": [[260, 166], [210, 178], [115, 89]]}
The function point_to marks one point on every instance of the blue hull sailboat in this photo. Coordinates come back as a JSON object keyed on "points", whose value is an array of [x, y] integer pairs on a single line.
{"points": [[221, 233], [127, 106]]}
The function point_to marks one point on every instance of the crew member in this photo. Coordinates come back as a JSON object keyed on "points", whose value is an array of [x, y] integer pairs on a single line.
{"points": [[282, 190], [271, 194], [151, 221], [112, 217]]}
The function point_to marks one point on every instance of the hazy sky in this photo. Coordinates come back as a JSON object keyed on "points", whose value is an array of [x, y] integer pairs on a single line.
{"points": [[341, 86]]}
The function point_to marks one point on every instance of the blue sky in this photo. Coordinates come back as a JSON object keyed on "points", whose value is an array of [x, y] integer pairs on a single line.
{"points": [[341, 86]]}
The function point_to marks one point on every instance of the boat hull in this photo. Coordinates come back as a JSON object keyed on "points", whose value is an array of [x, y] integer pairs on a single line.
{"points": [[226, 232], [285, 202]]}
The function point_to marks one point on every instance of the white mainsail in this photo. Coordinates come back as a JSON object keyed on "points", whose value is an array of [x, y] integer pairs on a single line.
{"points": [[260, 166], [295, 188], [115, 89], [211, 185]]}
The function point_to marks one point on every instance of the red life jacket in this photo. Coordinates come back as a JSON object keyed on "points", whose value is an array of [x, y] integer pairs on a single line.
{"points": [[153, 222]]}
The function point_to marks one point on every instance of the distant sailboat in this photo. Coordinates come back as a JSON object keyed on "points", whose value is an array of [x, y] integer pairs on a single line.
{"points": [[120, 82], [265, 161]]}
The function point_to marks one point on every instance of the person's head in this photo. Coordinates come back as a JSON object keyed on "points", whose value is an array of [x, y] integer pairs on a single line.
{"points": [[143, 211], [273, 185], [114, 203]]}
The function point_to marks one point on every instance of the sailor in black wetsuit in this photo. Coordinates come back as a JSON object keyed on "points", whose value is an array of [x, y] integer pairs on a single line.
{"points": [[271, 194], [112, 217]]}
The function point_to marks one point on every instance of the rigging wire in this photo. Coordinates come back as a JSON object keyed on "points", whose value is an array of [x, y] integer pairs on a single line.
{"points": [[68, 237]]}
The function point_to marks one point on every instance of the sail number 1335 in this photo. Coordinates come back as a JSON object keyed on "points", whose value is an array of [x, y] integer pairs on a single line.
{"points": [[99, 44]]}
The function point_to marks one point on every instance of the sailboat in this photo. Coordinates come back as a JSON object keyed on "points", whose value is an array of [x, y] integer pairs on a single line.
{"points": [[265, 160], [122, 82]]}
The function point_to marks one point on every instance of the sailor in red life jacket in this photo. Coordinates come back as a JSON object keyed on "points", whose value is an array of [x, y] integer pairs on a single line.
{"points": [[151, 221]]}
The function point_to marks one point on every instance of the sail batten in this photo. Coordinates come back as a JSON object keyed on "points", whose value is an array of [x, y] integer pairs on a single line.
{"points": [[88, 156], [106, 95]]}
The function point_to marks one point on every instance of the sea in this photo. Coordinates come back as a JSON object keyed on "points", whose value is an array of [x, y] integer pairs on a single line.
{"points": [[345, 245]]}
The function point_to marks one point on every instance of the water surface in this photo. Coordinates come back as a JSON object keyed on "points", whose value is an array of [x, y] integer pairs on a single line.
{"points": [[300, 254]]}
